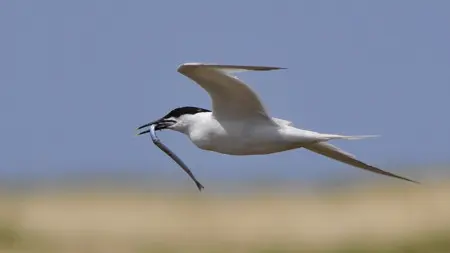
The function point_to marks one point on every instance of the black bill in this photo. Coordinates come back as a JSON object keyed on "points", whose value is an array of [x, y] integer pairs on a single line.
{"points": [[159, 125]]}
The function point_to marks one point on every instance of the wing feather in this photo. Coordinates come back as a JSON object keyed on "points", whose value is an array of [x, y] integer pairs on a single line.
{"points": [[232, 99], [334, 152]]}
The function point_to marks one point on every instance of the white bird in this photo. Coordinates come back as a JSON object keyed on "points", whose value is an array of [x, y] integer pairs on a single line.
{"points": [[239, 123]]}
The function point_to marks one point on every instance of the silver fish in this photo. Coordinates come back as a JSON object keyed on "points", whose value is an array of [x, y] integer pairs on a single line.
{"points": [[172, 155]]}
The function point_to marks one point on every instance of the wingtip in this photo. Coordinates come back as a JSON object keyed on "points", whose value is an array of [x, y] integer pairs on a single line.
{"points": [[413, 181], [228, 66], [403, 178]]}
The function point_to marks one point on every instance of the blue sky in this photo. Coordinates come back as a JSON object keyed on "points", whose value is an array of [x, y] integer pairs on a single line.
{"points": [[77, 78]]}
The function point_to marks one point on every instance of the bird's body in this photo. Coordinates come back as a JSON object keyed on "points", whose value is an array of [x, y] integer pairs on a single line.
{"points": [[239, 123], [237, 137]]}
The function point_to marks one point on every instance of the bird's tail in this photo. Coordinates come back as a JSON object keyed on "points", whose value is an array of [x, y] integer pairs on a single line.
{"points": [[346, 137]]}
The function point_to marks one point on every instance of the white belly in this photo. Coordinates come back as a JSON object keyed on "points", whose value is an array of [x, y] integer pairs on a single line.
{"points": [[241, 141]]}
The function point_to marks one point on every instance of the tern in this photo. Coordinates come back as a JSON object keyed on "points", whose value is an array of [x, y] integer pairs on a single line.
{"points": [[239, 124]]}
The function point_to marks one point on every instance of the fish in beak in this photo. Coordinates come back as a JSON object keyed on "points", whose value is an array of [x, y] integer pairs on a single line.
{"points": [[160, 125]]}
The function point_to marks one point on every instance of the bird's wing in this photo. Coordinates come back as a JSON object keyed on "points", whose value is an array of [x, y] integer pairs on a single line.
{"points": [[331, 151], [231, 98]]}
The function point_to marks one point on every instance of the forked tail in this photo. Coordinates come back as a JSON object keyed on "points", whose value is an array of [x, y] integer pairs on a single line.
{"points": [[346, 137]]}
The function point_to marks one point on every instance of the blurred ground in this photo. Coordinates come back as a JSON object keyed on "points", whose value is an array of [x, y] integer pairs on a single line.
{"points": [[370, 217]]}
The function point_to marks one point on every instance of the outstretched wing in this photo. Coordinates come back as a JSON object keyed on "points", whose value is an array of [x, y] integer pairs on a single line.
{"points": [[333, 152], [231, 98]]}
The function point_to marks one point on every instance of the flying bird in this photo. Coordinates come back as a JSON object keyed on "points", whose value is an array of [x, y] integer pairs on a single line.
{"points": [[239, 124]]}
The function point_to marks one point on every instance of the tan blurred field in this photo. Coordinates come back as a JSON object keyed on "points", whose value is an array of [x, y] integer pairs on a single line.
{"points": [[404, 218]]}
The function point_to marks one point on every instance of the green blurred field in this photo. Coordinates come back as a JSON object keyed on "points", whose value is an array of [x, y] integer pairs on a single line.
{"points": [[397, 217]]}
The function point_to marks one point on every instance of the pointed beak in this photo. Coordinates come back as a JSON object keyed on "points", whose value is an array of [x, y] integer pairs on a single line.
{"points": [[145, 131], [160, 125]]}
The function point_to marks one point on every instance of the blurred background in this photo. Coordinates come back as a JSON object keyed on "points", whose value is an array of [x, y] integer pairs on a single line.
{"points": [[78, 77]]}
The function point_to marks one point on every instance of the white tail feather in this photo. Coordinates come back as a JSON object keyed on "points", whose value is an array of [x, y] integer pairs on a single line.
{"points": [[358, 137], [347, 137]]}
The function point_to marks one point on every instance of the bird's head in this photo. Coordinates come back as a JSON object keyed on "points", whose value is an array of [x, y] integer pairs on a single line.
{"points": [[178, 119]]}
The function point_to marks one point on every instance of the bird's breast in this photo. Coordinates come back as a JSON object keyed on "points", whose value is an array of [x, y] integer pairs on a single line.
{"points": [[210, 138]]}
